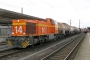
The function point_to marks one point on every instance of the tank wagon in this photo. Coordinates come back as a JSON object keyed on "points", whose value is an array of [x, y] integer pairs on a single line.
{"points": [[74, 30], [29, 32], [64, 29], [67, 29], [61, 29]]}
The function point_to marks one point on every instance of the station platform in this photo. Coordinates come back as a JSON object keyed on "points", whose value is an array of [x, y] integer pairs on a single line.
{"points": [[84, 51]]}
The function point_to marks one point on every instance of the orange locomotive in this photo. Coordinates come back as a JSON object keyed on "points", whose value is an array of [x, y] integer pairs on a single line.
{"points": [[29, 32]]}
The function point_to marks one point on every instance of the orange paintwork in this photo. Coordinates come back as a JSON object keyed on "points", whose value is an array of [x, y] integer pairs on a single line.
{"points": [[43, 27]]}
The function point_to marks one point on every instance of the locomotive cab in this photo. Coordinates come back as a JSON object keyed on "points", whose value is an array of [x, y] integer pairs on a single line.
{"points": [[21, 29]]}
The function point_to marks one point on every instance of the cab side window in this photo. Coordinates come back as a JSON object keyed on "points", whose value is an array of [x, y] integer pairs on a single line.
{"points": [[52, 22]]}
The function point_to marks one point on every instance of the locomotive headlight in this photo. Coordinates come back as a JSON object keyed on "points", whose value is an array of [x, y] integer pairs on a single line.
{"points": [[23, 33], [12, 32], [18, 20]]}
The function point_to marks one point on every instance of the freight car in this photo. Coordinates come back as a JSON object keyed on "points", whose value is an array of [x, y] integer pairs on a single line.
{"points": [[29, 32], [67, 29], [61, 29], [64, 29], [74, 30]]}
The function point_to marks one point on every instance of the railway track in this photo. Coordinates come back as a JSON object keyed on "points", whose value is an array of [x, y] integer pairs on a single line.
{"points": [[5, 47], [65, 52], [8, 52], [3, 43], [40, 54], [20, 53]]}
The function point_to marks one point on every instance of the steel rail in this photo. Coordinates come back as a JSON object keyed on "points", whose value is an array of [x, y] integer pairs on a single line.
{"points": [[66, 58], [47, 56]]}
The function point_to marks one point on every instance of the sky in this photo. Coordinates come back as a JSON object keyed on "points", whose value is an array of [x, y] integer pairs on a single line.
{"points": [[59, 10]]}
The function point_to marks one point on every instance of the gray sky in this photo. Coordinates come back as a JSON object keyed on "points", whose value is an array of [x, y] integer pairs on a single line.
{"points": [[59, 10]]}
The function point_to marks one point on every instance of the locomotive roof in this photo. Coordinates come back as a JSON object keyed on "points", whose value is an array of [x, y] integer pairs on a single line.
{"points": [[7, 16]]}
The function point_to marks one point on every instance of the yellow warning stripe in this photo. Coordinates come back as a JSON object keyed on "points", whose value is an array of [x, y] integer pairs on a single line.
{"points": [[44, 25], [18, 23], [51, 26], [41, 25]]}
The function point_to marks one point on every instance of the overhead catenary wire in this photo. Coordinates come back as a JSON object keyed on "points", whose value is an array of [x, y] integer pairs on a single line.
{"points": [[76, 12], [29, 4], [10, 5], [74, 8], [38, 5], [49, 6], [46, 4]]}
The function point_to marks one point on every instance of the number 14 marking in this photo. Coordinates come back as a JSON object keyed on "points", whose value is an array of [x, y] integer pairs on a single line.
{"points": [[18, 29]]}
